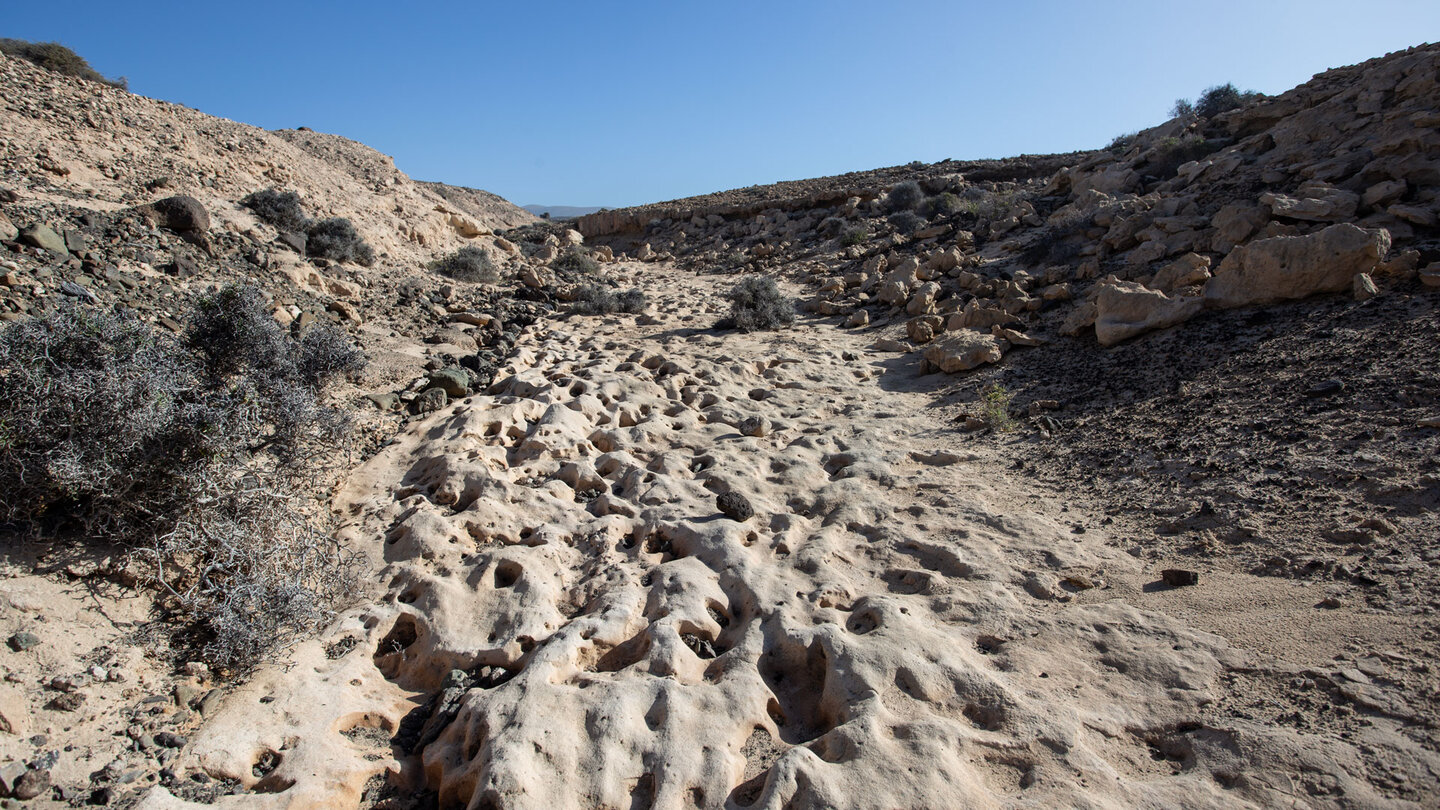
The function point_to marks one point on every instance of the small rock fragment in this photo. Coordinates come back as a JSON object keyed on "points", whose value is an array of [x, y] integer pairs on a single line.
{"points": [[432, 399], [31, 784], [1179, 577], [735, 506], [757, 426]]}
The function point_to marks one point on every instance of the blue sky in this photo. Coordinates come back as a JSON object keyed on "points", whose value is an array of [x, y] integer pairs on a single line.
{"points": [[593, 103]]}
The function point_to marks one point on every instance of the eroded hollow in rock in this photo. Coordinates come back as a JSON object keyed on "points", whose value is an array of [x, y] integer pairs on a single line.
{"points": [[390, 652], [797, 676]]}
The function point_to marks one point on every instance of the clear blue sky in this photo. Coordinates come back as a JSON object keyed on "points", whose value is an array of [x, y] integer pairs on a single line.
{"points": [[608, 103]]}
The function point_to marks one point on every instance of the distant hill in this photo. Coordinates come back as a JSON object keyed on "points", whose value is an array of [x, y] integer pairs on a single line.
{"points": [[562, 211]]}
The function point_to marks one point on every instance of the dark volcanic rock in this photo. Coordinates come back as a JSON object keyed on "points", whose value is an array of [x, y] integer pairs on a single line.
{"points": [[181, 214], [735, 506]]}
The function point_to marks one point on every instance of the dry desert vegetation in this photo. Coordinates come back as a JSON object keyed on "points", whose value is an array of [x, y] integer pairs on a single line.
{"points": [[1103, 479]]}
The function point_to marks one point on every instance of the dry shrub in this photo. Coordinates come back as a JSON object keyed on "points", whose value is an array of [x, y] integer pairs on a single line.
{"points": [[57, 58], [469, 263], [594, 299], [283, 209], [576, 260], [337, 240], [192, 454], [756, 303]]}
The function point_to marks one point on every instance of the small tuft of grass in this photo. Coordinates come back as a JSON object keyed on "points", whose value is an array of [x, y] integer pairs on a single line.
{"points": [[995, 408]]}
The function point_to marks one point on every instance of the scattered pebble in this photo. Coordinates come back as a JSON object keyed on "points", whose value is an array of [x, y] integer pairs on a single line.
{"points": [[1179, 577]]}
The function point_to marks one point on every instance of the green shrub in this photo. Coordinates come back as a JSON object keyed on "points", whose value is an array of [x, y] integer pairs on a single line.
{"points": [[576, 260], [995, 408], [1215, 100], [941, 205], [756, 303], [855, 236], [57, 58], [282, 209], [337, 240], [469, 263], [188, 453], [1223, 98], [904, 197], [1121, 143]]}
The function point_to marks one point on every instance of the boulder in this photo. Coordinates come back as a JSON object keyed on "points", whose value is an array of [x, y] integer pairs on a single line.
{"points": [[923, 329], [1115, 179], [1235, 223], [1056, 292], [1414, 214], [453, 381], [467, 227], [946, 260], [180, 213], [8, 231], [43, 237], [430, 400], [1124, 309], [964, 350], [345, 310], [735, 506], [1281, 268], [1015, 337], [923, 301], [893, 293]]}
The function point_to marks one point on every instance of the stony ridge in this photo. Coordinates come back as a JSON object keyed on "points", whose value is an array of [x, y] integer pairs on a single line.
{"points": [[797, 195]]}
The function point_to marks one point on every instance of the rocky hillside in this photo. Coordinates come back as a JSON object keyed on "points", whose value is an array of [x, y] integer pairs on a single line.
{"points": [[1233, 233], [71, 142]]}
